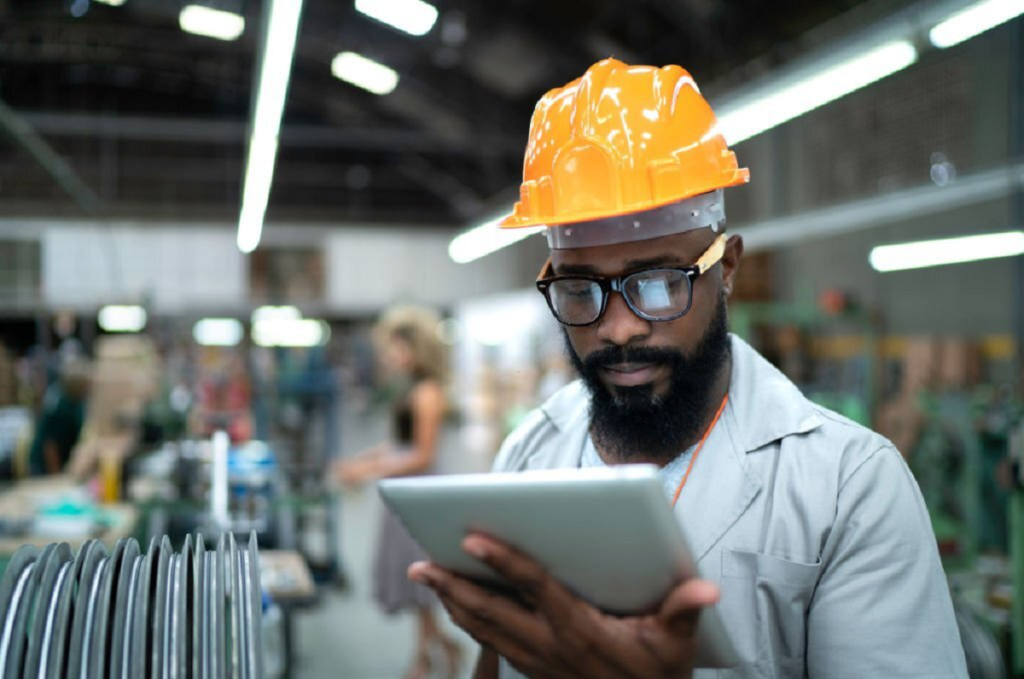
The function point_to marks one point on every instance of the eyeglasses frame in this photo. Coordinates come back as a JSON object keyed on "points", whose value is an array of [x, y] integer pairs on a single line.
{"points": [[711, 256]]}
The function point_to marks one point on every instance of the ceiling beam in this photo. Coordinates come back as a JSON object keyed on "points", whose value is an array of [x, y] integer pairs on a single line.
{"points": [[463, 200], [220, 131], [23, 133], [875, 211]]}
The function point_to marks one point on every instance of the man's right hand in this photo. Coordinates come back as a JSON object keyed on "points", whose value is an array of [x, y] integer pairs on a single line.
{"points": [[548, 633]]}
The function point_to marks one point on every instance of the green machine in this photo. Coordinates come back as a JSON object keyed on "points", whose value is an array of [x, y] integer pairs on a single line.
{"points": [[850, 389], [1016, 529]]}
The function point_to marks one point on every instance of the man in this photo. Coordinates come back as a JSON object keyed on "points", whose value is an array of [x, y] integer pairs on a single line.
{"points": [[60, 422], [810, 530]]}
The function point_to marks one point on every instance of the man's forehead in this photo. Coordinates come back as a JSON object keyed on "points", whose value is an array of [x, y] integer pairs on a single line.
{"points": [[679, 249]]}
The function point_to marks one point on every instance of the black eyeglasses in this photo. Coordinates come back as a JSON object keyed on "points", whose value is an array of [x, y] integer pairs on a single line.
{"points": [[653, 294]]}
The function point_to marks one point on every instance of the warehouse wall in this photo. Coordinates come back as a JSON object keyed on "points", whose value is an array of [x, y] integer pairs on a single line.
{"points": [[176, 268], [199, 268], [880, 141], [967, 298], [372, 268]]}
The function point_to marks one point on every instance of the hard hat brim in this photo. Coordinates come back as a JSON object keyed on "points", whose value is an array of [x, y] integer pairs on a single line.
{"points": [[513, 221]]}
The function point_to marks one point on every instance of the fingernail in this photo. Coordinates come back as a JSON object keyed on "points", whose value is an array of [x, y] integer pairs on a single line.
{"points": [[476, 548], [712, 593], [418, 573], [422, 578]]}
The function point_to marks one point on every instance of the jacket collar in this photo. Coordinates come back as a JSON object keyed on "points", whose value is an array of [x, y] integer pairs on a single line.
{"points": [[766, 406]]}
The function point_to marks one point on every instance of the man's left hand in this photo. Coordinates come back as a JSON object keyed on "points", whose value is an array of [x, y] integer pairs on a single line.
{"points": [[546, 632]]}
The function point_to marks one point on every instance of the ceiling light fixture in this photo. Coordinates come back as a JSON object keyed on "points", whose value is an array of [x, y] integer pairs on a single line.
{"points": [[267, 313], [485, 239], [929, 253], [291, 332], [974, 20], [122, 318], [274, 72], [368, 74], [414, 17], [750, 116], [209, 22], [218, 332]]}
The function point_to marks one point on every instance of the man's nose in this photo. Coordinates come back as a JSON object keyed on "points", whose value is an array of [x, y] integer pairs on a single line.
{"points": [[619, 325]]}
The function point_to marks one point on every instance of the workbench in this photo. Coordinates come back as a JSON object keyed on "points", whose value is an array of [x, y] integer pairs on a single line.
{"points": [[23, 500]]}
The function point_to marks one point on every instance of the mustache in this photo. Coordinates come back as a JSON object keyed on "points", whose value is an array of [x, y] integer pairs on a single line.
{"points": [[613, 355]]}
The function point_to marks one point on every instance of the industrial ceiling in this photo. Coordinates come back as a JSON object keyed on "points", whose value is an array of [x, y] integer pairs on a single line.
{"points": [[153, 120]]}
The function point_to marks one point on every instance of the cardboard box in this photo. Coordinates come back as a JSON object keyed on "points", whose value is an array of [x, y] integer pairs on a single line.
{"points": [[124, 378]]}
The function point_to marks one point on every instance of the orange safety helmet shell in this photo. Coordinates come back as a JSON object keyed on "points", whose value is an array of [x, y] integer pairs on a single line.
{"points": [[619, 140]]}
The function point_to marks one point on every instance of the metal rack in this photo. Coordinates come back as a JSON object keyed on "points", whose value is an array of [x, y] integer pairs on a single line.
{"points": [[125, 614]]}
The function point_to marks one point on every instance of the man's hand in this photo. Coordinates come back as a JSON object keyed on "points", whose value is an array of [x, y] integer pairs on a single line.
{"points": [[548, 633]]}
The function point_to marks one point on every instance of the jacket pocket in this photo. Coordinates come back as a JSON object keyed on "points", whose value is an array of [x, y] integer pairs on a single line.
{"points": [[764, 604]]}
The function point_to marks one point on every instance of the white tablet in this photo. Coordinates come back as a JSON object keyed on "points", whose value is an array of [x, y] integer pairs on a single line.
{"points": [[608, 534]]}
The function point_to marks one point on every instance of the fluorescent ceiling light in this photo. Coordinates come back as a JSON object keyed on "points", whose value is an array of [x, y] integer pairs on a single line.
{"points": [[118, 318], [754, 116], [930, 253], [218, 332], [294, 332], [412, 16], [259, 175], [211, 23], [974, 20], [368, 74], [268, 313], [485, 239], [112, 3], [275, 71]]}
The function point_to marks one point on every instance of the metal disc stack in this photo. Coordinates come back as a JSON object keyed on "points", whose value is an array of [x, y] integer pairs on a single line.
{"points": [[125, 614]]}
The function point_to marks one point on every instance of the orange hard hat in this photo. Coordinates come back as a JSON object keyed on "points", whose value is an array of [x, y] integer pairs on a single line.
{"points": [[621, 139]]}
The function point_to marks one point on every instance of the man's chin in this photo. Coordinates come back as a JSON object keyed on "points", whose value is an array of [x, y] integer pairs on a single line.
{"points": [[636, 400]]}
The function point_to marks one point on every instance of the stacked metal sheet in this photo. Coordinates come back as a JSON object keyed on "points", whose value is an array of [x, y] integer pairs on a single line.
{"points": [[125, 614]]}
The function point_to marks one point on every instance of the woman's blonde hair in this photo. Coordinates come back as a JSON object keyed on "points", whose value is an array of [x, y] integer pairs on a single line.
{"points": [[417, 327]]}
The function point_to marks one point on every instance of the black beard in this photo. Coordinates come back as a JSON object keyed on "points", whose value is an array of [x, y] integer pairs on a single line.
{"points": [[634, 422]]}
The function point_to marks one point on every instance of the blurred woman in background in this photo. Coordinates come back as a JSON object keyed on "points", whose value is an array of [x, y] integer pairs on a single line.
{"points": [[414, 361]]}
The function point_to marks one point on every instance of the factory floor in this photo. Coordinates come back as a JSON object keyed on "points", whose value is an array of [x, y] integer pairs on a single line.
{"points": [[346, 636]]}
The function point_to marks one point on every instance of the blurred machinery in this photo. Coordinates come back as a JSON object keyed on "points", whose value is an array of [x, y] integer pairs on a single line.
{"points": [[210, 485], [1016, 454], [125, 613], [827, 347]]}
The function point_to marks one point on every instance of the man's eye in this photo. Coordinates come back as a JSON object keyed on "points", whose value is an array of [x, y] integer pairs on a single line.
{"points": [[581, 293]]}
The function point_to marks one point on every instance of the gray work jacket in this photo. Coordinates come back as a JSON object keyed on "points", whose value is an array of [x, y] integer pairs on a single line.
{"points": [[813, 527]]}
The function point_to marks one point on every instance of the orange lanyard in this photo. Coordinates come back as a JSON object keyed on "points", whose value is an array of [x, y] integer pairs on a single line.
{"points": [[699, 446]]}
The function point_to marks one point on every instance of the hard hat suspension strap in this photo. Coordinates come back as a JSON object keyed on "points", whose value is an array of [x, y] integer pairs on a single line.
{"points": [[704, 211]]}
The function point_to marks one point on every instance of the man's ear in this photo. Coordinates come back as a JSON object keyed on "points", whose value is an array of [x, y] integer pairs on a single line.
{"points": [[731, 262]]}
